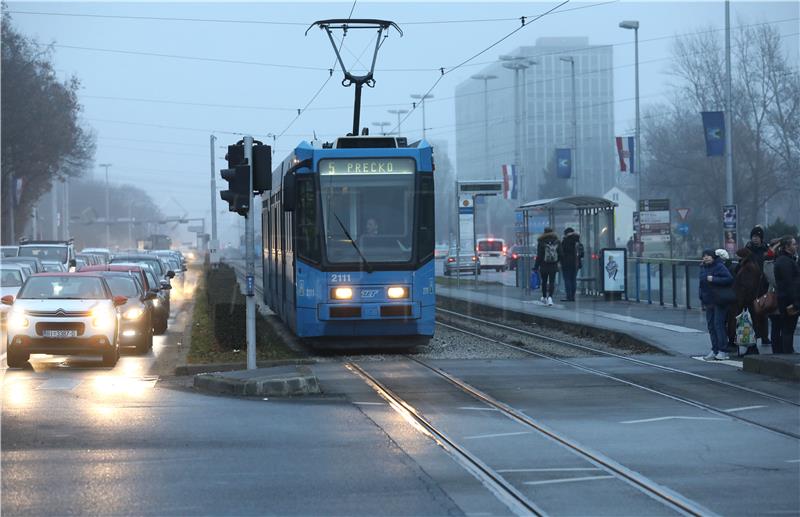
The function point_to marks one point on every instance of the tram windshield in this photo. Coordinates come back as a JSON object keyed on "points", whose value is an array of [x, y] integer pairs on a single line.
{"points": [[374, 210]]}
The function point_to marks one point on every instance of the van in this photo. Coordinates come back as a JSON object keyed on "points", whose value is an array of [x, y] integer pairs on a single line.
{"points": [[492, 253]]}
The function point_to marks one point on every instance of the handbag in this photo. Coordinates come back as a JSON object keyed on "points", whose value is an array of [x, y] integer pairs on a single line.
{"points": [[766, 303], [723, 295], [536, 280]]}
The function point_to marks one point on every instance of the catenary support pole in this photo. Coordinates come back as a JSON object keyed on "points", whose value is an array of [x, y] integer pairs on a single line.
{"points": [[213, 139], [250, 262], [728, 110]]}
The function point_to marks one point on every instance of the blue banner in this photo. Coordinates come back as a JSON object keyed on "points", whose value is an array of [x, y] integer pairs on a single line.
{"points": [[714, 129], [564, 163]]}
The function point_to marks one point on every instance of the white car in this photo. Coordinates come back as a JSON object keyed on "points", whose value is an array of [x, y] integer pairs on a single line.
{"points": [[53, 267], [58, 251], [63, 314]]}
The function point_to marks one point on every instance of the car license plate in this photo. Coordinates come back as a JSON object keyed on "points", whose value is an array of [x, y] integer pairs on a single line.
{"points": [[60, 333]]}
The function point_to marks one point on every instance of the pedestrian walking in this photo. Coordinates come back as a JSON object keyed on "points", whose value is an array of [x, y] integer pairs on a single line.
{"points": [[548, 256], [716, 294], [572, 262], [787, 289]]}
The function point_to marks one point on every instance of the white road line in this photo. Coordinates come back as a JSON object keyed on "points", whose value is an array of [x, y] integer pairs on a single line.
{"points": [[735, 409], [370, 403], [498, 435], [65, 384], [792, 461], [469, 408], [661, 418], [565, 469], [566, 480]]}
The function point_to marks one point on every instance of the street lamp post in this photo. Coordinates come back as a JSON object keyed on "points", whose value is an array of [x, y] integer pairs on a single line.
{"points": [[382, 125], [421, 99], [108, 209], [486, 78], [398, 113], [571, 61], [519, 64], [634, 24]]}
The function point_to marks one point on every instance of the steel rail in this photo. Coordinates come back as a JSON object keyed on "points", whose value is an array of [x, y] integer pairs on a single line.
{"points": [[624, 358], [502, 489], [658, 492], [677, 398]]}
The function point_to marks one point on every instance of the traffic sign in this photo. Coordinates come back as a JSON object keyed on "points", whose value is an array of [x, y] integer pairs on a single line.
{"points": [[683, 213], [683, 229]]}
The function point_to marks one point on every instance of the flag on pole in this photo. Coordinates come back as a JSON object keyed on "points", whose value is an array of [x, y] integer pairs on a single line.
{"points": [[714, 129], [510, 186], [625, 150]]}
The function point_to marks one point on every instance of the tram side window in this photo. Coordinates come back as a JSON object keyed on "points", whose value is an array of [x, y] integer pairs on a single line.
{"points": [[427, 219], [308, 246]]}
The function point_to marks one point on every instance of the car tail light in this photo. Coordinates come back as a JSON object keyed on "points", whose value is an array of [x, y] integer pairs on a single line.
{"points": [[451, 259], [474, 258], [513, 255]]}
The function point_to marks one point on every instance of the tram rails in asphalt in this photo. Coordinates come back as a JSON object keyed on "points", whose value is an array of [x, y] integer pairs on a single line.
{"points": [[519, 500], [790, 433]]}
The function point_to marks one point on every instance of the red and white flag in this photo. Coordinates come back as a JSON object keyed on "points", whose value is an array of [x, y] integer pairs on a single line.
{"points": [[625, 151]]}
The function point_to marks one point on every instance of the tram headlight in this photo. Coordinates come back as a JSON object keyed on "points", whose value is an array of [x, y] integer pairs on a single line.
{"points": [[395, 292], [342, 293]]}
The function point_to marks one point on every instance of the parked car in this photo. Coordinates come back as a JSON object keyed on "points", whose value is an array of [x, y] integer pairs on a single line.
{"points": [[492, 253], [465, 261], [64, 314], [137, 315], [9, 251]]}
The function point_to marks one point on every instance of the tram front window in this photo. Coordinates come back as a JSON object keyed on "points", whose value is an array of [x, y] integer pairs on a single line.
{"points": [[375, 211]]}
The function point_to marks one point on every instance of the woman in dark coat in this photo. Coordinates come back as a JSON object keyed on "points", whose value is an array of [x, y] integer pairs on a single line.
{"points": [[714, 275], [548, 256], [787, 290], [747, 284]]}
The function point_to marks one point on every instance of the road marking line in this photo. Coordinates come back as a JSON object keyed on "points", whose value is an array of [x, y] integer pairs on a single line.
{"points": [[59, 384], [648, 323], [734, 410], [566, 480], [469, 408], [498, 435], [661, 418], [792, 461], [370, 403], [565, 469]]}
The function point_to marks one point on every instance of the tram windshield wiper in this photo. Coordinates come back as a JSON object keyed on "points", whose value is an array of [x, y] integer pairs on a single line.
{"points": [[347, 234]]}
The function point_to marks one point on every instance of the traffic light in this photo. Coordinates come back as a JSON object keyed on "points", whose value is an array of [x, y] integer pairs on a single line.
{"points": [[262, 167], [238, 177]]}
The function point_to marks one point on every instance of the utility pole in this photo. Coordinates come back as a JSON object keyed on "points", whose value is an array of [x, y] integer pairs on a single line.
{"points": [[728, 110], [12, 233], [108, 208], [485, 78], [421, 99], [398, 113], [213, 139], [65, 214], [382, 124], [54, 210], [249, 254], [520, 64]]}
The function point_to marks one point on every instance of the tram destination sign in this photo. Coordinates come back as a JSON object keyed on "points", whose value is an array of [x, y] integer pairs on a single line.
{"points": [[366, 166]]}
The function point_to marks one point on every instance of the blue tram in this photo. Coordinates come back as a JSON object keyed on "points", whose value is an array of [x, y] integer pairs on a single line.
{"points": [[348, 242]]}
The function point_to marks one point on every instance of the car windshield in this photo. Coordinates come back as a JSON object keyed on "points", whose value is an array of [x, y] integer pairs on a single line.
{"points": [[358, 205], [51, 253], [122, 286], [66, 287], [10, 278], [52, 267], [490, 246]]}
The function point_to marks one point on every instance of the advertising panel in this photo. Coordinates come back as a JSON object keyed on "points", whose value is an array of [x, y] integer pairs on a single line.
{"points": [[613, 273]]}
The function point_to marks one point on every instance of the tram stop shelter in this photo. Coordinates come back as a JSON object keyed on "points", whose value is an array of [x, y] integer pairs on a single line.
{"points": [[592, 217]]}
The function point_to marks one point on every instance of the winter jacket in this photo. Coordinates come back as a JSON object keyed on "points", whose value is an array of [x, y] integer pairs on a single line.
{"points": [[573, 251], [759, 252], [540, 264], [787, 280], [747, 279], [721, 277]]}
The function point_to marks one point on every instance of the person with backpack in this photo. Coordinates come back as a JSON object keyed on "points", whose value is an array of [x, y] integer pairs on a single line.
{"points": [[571, 262], [715, 299], [548, 256]]}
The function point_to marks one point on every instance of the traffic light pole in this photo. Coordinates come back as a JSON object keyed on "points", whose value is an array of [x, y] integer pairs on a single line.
{"points": [[249, 230]]}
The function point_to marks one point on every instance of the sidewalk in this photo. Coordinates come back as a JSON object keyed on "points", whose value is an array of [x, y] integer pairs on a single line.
{"points": [[677, 331]]}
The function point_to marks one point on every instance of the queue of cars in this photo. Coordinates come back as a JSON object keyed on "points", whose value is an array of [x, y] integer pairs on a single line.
{"points": [[490, 253], [88, 303]]}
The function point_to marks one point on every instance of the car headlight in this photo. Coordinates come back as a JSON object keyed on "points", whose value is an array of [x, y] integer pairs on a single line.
{"points": [[103, 319], [17, 320], [342, 293], [156, 302], [397, 292], [133, 314]]}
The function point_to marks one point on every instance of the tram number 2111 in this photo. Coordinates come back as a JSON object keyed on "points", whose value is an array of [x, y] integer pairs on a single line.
{"points": [[340, 277]]}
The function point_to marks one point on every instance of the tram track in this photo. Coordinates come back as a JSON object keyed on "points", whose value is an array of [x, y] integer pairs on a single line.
{"points": [[493, 480], [594, 371]]}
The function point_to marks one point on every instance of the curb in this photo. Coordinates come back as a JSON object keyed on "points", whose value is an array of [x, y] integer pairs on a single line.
{"points": [[194, 369], [782, 366], [263, 382], [576, 329]]}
